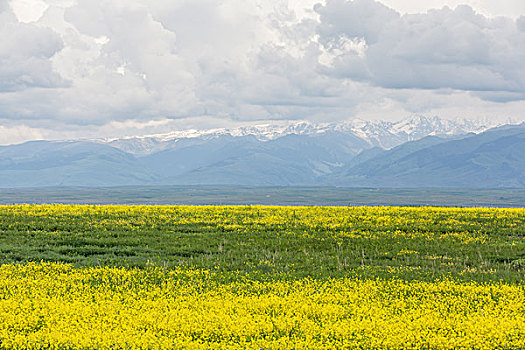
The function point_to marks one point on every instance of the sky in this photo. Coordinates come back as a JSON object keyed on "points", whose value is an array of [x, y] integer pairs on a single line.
{"points": [[109, 68]]}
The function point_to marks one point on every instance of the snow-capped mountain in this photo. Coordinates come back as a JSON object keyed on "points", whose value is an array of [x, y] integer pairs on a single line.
{"points": [[286, 154], [384, 134], [391, 134]]}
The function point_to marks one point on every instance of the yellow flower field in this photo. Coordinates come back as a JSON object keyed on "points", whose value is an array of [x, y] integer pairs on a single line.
{"points": [[261, 277], [57, 306]]}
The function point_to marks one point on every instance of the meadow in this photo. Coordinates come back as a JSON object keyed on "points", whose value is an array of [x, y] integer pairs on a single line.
{"points": [[261, 277]]}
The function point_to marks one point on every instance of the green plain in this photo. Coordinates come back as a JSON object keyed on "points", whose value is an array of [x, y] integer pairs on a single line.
{"points": [[268, 242]]}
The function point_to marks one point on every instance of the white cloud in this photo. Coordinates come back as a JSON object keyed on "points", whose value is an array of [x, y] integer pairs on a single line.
{"points": [[456, 49], [19, 134], [28, 10], [490, 8], [95, 67]]}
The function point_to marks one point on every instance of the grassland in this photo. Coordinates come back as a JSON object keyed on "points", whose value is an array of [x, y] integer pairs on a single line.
{"points": [[261, 277], [320, 242]]}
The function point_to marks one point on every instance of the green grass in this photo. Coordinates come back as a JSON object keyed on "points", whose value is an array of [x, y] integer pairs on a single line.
{"points": [[274, 242]]}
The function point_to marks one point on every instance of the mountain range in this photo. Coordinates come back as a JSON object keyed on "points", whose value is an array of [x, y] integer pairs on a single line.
{"points": [[418, 152], [383, 134]]}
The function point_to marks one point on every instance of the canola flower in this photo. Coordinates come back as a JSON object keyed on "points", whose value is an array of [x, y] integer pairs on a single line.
{"points": [[463, 224], [58, 306]]}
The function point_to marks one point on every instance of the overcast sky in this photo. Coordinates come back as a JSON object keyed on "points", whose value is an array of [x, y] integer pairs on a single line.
{"points": [[84, 68]]}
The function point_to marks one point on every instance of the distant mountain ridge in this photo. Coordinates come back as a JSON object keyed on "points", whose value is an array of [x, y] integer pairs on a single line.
{"points": [[495, 158], [384, 134], [423, 152]]}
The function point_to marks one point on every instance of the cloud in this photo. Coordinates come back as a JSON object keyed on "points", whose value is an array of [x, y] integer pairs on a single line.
{"points": [[520, 23], [19, 134], [124, 64], [355, 19], [441, 49], [4, 6], [97, 66], [489, 8], [25, 52]]}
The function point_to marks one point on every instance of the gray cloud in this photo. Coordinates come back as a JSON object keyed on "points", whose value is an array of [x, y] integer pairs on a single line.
{"points": [[360, 19], [520, 23], [445, 48], [25, 52], [4, 6]]}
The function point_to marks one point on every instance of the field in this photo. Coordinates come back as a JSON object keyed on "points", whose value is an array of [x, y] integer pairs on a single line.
{"points": [[261, 277]]}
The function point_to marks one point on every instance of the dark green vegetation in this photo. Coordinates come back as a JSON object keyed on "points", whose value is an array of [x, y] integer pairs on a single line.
{"points": [[291, 242], [271, 195]]}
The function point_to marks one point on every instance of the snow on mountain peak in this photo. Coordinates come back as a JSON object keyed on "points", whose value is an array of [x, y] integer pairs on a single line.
{"points": [[385, 134]]}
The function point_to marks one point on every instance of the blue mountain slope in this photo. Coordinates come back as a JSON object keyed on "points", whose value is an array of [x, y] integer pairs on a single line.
{"points": [[289, 160], [495, 158], [192, 154], [75, 163]]}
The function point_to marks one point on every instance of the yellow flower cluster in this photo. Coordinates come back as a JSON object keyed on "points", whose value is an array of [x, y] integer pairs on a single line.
{"points": [[56, 306], [462, 224]]}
